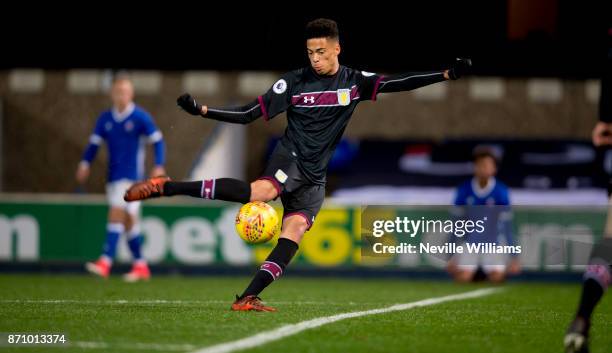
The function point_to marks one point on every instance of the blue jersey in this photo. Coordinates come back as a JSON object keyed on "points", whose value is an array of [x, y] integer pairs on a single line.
{"points": [[125, 135], [492, 202], [470, 193]]}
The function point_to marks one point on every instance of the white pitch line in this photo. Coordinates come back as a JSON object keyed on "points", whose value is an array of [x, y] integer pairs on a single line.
{"points": [[292, 329], [135, 346]]}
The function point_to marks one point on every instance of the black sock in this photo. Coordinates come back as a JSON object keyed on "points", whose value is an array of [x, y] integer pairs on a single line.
{"points": [[592, 292], [228, 189], [273, 267], [225, 189], [597, 277], [189, 188]]}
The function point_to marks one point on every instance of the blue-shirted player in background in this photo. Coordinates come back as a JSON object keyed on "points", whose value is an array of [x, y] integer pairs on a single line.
{"points": [[484, 196], [125, 128]]}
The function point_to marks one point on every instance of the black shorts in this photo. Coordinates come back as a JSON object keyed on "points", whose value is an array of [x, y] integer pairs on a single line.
{"points": [[298, 195]]}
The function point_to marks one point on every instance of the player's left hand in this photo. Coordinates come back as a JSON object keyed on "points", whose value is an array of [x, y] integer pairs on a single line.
{"points": [[515, 266], [158, 170], [461, 67]]}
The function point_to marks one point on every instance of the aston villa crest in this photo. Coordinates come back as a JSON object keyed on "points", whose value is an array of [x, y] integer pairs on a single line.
{"points": [[344, 96]]}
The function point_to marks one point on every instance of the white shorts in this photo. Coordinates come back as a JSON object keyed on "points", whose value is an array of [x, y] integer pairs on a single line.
{"points": [[488, 262], [114, 194]]}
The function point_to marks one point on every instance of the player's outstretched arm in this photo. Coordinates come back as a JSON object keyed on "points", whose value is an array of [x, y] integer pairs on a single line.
{"points": [[237, 115], [412, 80]]}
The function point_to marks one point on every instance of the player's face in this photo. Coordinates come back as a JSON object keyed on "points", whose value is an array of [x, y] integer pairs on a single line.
{"points": [[323, 55], [485, 168], [122, 94]]}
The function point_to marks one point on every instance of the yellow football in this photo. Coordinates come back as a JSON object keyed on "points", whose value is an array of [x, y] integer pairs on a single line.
{"points": [[257, 222]]}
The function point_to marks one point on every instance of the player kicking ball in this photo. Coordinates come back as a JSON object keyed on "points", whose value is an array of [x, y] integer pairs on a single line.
{"points": [[319, 101]]}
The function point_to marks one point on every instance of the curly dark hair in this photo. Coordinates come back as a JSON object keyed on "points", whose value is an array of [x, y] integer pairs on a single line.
{"points": [[322, 28], [484, 151]]}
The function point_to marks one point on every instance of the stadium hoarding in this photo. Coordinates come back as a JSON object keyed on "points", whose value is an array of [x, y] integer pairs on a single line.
{"points": [[72, 230], [542, 238]]}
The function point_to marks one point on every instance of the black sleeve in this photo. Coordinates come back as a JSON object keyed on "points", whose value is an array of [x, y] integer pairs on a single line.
{"points": [[367, 85], [270, 104], [605, 99], [372, 84], [237, 115], [278, 97], [409, 81]]}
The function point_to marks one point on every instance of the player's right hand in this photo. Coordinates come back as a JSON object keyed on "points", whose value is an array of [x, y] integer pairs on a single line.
{"points": [[451, 266], [602, 134], [189, 104], [82, 173]]}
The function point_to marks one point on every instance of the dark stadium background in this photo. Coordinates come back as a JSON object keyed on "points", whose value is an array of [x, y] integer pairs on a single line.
{"points": [[505, 38]]}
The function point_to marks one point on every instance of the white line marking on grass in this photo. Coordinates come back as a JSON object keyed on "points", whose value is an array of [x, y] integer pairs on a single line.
{"points": [[134, 345], [292, 329]]}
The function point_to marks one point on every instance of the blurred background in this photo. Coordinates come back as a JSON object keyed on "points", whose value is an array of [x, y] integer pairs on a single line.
{"points": [[533, 97]]}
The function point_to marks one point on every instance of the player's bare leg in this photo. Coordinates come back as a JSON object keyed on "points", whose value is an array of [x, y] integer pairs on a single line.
{"points": [[263, 190], [293, 230], [115, 227]]}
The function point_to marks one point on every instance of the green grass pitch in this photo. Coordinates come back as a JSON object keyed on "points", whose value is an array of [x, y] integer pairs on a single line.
{"points": [[183, 314]]}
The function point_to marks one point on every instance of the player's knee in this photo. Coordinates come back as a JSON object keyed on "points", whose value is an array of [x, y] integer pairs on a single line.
{"points": [[497, 276], [130, 221], [464, 276], [117, 215], [294, 227], [263, 190]]}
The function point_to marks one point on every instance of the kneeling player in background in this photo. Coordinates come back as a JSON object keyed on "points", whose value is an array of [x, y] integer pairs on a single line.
{"points": [[484, 196]]}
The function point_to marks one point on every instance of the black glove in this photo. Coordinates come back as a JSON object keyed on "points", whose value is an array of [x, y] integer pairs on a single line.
{"points": [[461, 67], [189, 104]]}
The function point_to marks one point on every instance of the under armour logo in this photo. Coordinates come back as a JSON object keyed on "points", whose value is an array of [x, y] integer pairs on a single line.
{"points": [[309, 99]]}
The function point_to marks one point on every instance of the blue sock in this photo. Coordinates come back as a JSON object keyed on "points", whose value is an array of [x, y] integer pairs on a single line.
{"points": [[135, 244], [113, 231]]}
